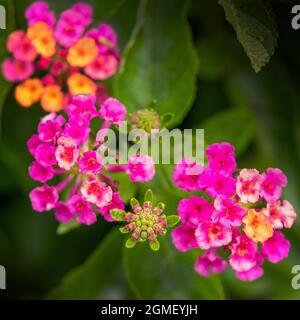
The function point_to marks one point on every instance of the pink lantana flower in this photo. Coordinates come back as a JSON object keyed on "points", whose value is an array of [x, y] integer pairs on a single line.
{"points": [[194, 210], [39, 12], [82, 209], [231, 210], [186, 175], [103, 67], [43, 198], [272, 182], [67, 152], [63, 213], [248, 185], [276, 248], [243, 254], [59, 53], [289, 214], [251, 275], [140, 168], [78, 130], [213, 234], [96, 191], [183, 238], [239, 213], [16, 70], [49, 130], [45, 154], [105, 37], [32, 143], [66, 147], [72, 23], [82, 106], [221, 158], [113, 111], [40, 173], [281, 216], [216, 184], [210, 263], [90, 162], [20, 46]]}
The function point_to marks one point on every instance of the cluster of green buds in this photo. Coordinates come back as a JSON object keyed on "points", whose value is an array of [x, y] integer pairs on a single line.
{"points": [[146, 119], [145, 222]]}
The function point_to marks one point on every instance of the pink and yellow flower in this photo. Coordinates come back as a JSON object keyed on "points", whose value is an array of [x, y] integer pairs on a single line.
{"points": [[235, 214], [248, 185], [61, 52], [213, 234], [64, 146]]}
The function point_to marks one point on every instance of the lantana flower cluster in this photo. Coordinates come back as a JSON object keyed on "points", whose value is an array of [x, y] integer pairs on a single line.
{"points": [[67, 148], [238, 219], [65, 58]]}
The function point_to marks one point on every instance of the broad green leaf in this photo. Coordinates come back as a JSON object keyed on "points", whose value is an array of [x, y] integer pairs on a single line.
{"points": [[219, 54], [167, 274], [64, 228], [236, 126], [160, 64], [87, 280], [255, 26]]}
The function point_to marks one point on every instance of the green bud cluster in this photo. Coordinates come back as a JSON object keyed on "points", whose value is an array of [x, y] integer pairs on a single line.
{"points": [[145, 223]]}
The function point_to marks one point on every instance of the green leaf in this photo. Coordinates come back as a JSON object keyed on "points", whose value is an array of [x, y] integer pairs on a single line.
{"points": [[117, 214], [130, 243], [237, 126], [89, 279], [160, 63], [255, 26], [172, 221], [167, 274], [127, 188], [64, 228], [155, 245], [219, 55]]}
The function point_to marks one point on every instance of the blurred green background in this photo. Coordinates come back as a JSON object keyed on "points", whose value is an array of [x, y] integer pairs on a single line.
{"points": [[186, 56]]}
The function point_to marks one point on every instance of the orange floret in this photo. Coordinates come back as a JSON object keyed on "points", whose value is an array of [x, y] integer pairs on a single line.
{"points": [[29, 92], [52, 99], [257, 226], [80, 84], [42, 38], [82, 53]]}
